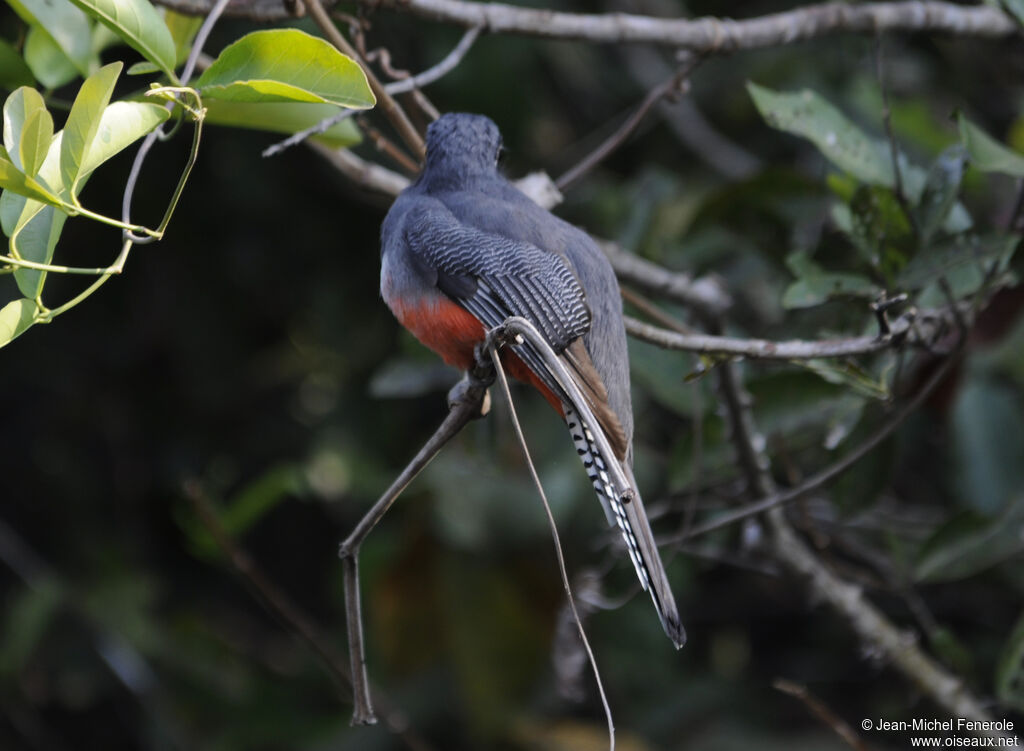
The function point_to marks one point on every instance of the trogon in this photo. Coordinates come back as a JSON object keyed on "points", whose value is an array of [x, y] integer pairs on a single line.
{"points": [[462, 250]]}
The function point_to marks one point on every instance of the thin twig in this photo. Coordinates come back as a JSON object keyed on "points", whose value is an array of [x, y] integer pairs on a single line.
{"points": [[216, 10], [558, 544], [365, 174], [397, 87], [130, 667], [395, 114], [272, 598], [200, 41], [286, 611], [1013, 224], [386, 146], [671, 85], [440, 70], [897, 173], [821, 710]]}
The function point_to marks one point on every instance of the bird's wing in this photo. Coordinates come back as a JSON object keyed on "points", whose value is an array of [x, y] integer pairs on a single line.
{"points": [[495, 277]]}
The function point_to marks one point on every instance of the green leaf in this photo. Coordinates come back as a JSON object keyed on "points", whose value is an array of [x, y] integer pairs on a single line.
{"points": [[139, 25], [250, 504], [35, 140], [34, 227], [960, 260], [26, 621], [121, 124], [283, 117], [103, 38], [1010, 669], [939, 195], [987, 445], [143, 69], [48, 63], [814, 285], [13, 179], [286, 65], [13, 70], [183, 31], [66, 26], [1015, 8], [15, 317], [986, 153], [844, 144], [84, 122], [28, 129], [849, 374], [970, 543], [879, 229]]}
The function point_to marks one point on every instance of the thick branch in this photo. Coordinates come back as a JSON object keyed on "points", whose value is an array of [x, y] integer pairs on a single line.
{"points": [[867, 621], [705, 35], [717, 34]]}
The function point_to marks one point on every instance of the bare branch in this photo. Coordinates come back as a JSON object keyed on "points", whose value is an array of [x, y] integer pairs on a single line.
{"points": [[764, 349], [869, 623], [894, 150], [365, 174], [440, 70], [714, 35], [823, 477], [704, 35], [821, 710], [647, 66]]}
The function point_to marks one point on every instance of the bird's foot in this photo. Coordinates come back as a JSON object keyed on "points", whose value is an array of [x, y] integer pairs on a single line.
{"points": [[471, 392]]}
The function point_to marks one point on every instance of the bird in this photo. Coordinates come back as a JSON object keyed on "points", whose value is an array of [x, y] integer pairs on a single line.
{"points": [[463, 250]]}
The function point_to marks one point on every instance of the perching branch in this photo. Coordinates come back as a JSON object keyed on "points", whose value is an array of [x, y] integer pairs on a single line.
{"points": [[468, 400], [705, 295]]}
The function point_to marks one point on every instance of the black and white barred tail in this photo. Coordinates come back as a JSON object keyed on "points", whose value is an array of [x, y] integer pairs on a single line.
{"points": [[625, 509]]}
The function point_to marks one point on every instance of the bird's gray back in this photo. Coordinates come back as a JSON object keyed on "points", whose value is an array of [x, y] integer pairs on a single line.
{"points": [[494, 205]]}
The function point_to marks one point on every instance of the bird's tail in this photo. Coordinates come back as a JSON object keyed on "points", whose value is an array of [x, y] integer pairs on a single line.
{"points": [[626, 510]]}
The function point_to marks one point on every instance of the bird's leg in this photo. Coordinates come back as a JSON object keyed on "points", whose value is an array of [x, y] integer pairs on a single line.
{"points": [[466, 401]]}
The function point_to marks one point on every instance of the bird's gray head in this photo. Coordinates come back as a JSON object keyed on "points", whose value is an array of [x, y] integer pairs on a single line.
{"points": [[461, 144]]}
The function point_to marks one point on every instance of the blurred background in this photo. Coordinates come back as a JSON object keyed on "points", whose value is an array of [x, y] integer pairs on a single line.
{"points": [[249, 355]]}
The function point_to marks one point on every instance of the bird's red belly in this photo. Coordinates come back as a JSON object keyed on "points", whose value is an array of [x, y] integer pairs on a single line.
{"points": [[453, 333]]}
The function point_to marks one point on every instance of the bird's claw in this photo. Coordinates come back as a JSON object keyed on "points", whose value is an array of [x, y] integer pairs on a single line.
{"points": [[471, 391]]}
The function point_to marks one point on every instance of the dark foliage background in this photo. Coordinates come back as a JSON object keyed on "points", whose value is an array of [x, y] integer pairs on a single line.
{"points": [[250, 352]]}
